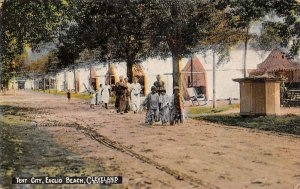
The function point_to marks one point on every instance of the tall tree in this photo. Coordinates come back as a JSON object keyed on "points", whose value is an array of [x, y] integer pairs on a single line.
{"points": [[116, 29], [180, 28], [28, 23], [246, 12], [284, 30]]}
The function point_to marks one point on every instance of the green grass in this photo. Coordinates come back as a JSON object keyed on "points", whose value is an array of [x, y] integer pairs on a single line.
{"points": [[209, 110], [283, 124], [63, 93]]}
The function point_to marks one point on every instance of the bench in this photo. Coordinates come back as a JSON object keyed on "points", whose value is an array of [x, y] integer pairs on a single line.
{"points": [[292, 98]]}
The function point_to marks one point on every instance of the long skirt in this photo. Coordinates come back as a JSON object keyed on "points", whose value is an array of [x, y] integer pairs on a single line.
{"points": [[117, 103], [123, 103], [136, 102]]}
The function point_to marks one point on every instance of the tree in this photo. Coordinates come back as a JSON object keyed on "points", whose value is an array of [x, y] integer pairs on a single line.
{"points": [[284, 31], [246, 12], [115, 29], [180, 28], [28, 23]]}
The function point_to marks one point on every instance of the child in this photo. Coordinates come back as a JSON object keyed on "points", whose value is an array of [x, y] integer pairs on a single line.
{"points": [[93, 100], [164, 112], [151, 102], [176, 103], [69, 95]]}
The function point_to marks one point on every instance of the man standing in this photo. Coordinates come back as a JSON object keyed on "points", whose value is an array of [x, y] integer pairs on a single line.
{"points": [[105, 94], [123, 95], [135, 95], [117, 91], [159, 84], [128, 90]]}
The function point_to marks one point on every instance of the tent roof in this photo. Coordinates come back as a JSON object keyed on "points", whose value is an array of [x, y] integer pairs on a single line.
{"points": [[277, 61], [197, 66]]}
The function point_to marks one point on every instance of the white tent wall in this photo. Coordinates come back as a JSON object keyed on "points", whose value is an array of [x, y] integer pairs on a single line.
{"points": [[70, 80], [101, 72], [60, 81], [29, 84], [84, 78], [225, 72]]}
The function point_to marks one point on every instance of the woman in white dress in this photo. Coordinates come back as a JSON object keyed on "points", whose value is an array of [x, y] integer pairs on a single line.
{"points": [[135, 95], [105, 94], [98, 97]]}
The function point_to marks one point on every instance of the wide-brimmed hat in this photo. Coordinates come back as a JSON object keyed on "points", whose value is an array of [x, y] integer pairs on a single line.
{"points": [[176, 88], [153, 88]]}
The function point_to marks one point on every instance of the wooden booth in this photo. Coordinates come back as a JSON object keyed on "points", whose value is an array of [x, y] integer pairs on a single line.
{"points": [[259, 96]]}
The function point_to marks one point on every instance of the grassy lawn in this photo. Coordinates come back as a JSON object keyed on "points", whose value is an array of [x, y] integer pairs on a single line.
{"points": [[209, 110], [84, 96], [283, 124]]}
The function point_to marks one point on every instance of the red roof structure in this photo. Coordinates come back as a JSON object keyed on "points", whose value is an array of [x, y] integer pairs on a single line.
{"points": [[277, 61]]}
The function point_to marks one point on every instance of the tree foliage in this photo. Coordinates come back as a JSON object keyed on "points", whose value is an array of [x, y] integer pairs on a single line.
{"points": [[27, 23]]}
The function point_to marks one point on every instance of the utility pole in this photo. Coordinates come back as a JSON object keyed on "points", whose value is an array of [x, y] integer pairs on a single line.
{"points": [[192, 81], [214, 77], [14, 81], [245, 53]]}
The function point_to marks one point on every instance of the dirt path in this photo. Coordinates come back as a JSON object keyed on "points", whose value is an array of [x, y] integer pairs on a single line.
{"points": [[193, 155]]}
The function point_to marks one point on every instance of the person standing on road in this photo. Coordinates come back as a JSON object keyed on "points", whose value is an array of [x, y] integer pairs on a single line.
{"points": [[135, 95], [164, 112], [128, 90], [93, 100], [123, 95], [69, 95], [117, 91], [98, 97], [177, 105], [151, 102], [159, 84], [105, 94]]}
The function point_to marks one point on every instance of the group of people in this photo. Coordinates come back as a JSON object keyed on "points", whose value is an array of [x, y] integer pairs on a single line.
{"points": [[101, 96], [124, 93], [160, 106]]}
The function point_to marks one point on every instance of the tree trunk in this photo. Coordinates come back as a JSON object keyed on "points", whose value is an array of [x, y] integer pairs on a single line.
{"points": [[129, 65], [176, 71], [245, 53], [44, 84], [214, 78]]}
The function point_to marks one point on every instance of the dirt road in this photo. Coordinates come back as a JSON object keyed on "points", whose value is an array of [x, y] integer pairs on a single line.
{"points": [[193, 155]]}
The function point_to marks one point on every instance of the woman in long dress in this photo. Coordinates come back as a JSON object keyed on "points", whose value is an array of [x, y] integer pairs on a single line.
{"points": [[135, 95], [98, 97], [105, 94]]}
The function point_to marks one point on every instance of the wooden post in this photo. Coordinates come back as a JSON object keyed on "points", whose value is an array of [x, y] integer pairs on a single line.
{"points": [[214, 78], [245, 53], [192, 84]]}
